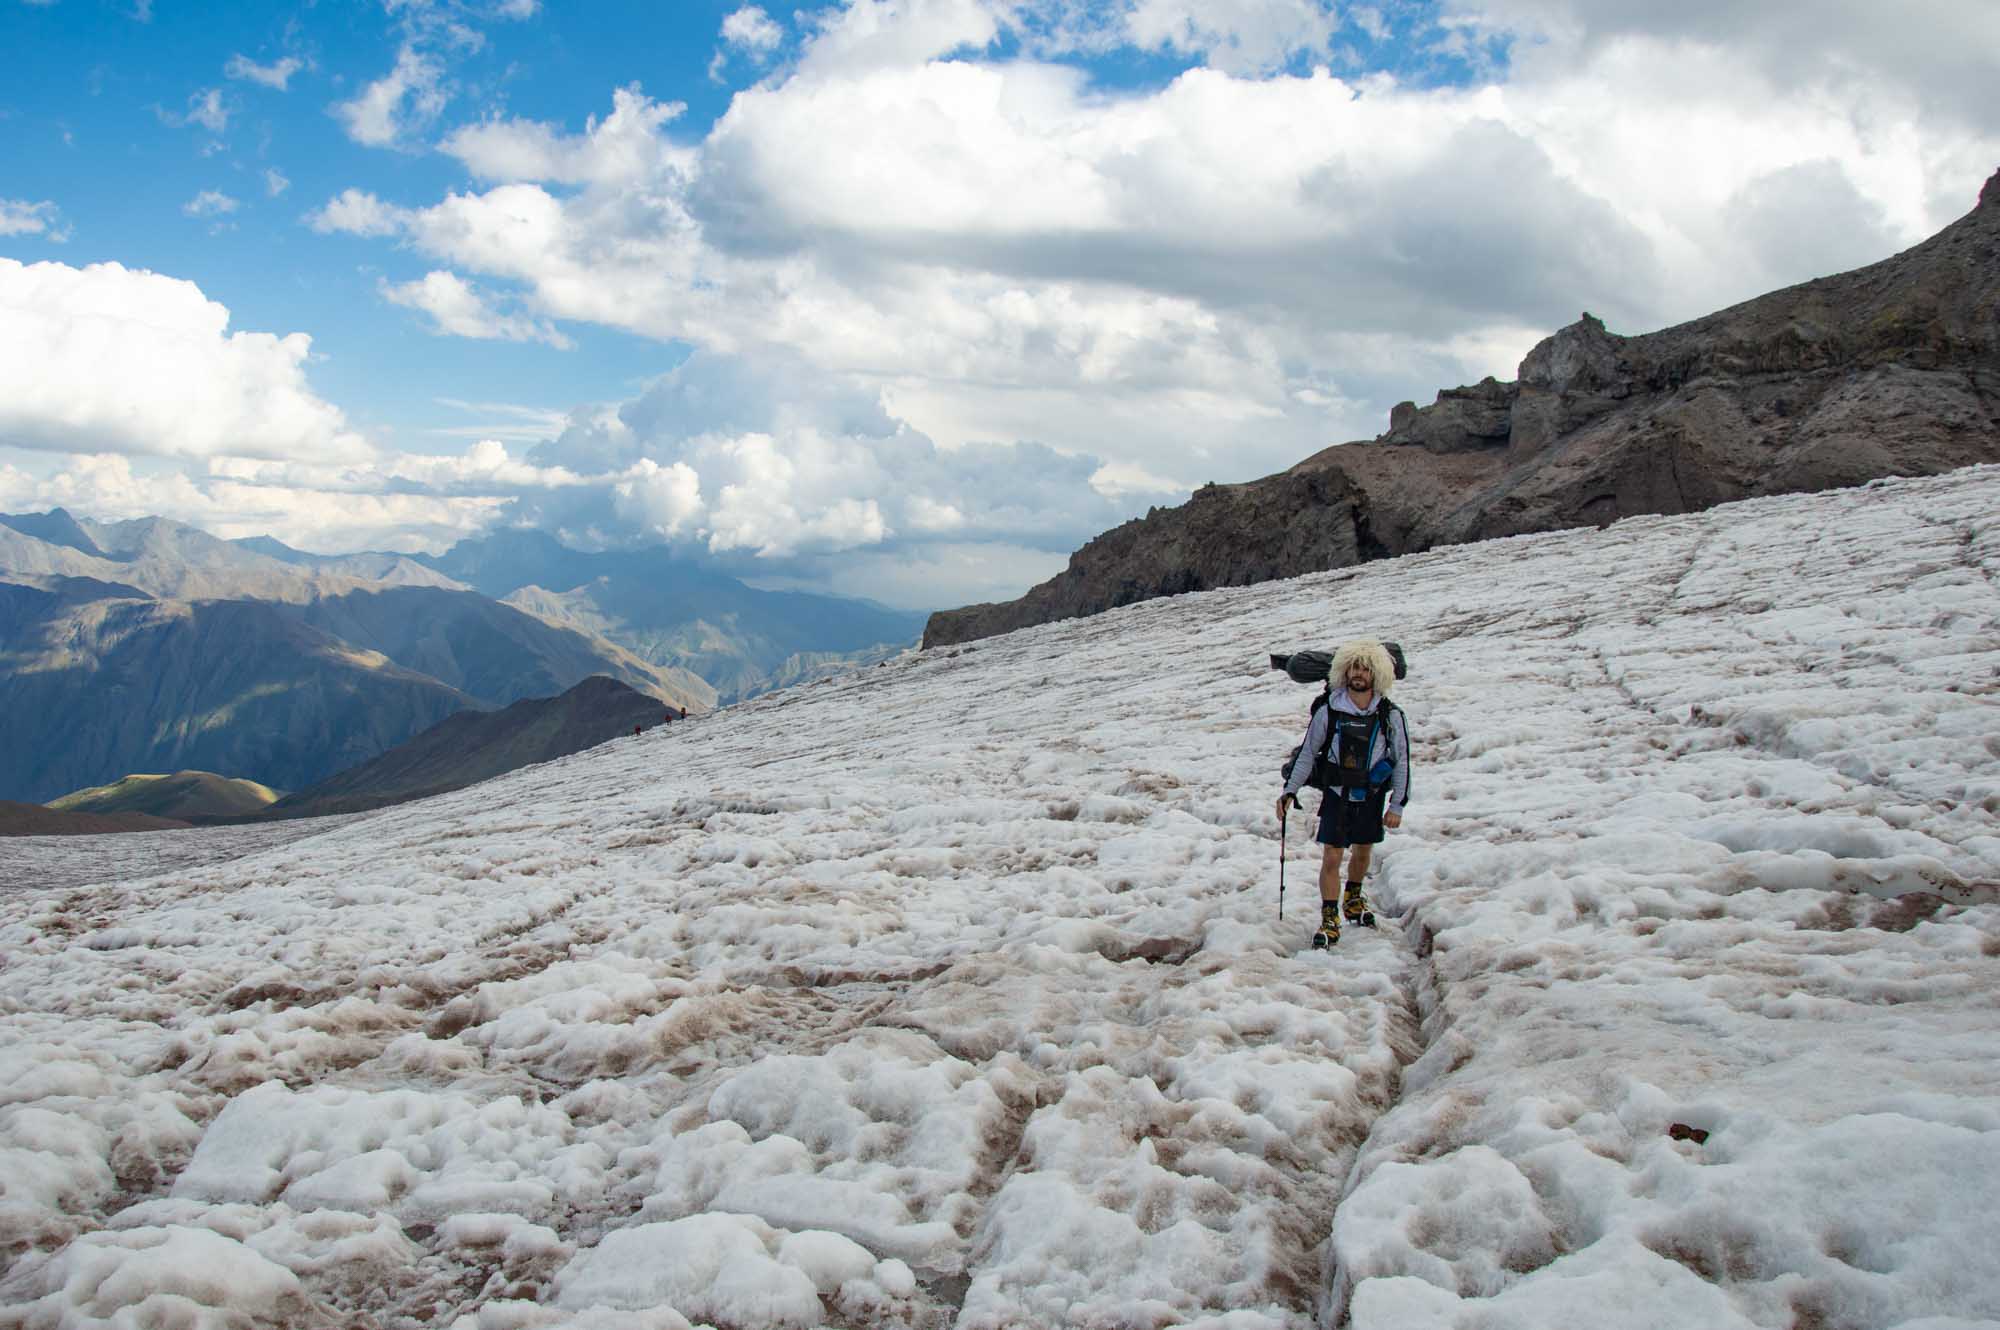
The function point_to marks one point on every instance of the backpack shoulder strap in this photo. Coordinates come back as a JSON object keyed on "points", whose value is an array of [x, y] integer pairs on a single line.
{"points": [[1391, 710], [1324, 703], [1390, 713]]}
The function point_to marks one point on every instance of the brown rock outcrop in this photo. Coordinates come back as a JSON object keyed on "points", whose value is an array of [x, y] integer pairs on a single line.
{"points": [[1892, 369]]}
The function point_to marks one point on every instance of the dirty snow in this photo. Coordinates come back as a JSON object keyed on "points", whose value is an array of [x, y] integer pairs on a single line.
{"points": [[953, 992], [49, 863]]}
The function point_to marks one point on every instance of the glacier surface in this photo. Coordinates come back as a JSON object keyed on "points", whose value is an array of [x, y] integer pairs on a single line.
{"points": [[953, 992]]}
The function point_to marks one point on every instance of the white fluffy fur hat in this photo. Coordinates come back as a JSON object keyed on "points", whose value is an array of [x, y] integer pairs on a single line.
{"points": [[1370, 653]]}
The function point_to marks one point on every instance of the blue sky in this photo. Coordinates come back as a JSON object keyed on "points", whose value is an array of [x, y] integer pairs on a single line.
{"points": [[125, 170], [900, 298]]}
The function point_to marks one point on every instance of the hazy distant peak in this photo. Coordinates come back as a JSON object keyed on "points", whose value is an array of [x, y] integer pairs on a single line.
{"points": [[54, 527], [168, 542], [24, 556], [385, 569], [125, 540], [335, 574], [273, 548]]}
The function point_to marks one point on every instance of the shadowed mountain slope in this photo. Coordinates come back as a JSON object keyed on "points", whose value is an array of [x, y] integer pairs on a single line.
{"points": [[93, 690], [473, 746], [490, 650], [1892, 369]]}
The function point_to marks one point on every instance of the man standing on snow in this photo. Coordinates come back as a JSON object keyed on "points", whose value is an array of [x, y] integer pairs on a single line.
{"points": [[1365, 744]]}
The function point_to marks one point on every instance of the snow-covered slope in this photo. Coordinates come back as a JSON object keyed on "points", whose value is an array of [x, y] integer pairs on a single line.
{"points": [[953, 992]]}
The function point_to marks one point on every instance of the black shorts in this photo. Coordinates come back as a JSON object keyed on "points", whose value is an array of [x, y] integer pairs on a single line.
{"points": [[1345, 822]]}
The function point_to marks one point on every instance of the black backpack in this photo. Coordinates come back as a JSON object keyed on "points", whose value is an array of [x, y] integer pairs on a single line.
{"points": [[1315, 667]]}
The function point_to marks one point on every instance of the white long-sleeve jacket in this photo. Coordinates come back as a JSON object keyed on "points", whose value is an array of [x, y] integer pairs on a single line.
{"points": [[1391, 741]]}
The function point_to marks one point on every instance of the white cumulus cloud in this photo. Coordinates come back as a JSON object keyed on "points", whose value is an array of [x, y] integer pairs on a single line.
{"points": [[661, 501], [357, 212], [458, 309], [106, 359], [864, 35], [776, 470], [402, 101], [485, 467], [1238, 36], [747, 32], [625, 148], [751, 29]]}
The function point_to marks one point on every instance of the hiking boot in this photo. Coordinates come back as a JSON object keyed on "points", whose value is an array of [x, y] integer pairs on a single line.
{"points": [[1355, 906], [1329, 926]]}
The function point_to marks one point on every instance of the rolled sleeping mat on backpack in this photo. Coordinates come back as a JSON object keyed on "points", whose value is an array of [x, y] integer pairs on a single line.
{"points": [[1304, 666], [1314, 666]]}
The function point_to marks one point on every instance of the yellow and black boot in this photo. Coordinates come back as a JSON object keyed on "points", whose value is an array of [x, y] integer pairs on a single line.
{"points": [[1355, 906], [1329, 925]]}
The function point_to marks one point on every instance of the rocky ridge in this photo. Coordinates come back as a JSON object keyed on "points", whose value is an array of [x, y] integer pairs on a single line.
{"points": [[1892, 369]]}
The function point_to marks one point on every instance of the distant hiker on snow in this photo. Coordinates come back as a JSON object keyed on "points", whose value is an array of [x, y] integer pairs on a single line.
{"points": [[1360, 744]]}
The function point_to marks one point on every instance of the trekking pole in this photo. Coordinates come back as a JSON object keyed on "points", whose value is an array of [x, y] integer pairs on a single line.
{"points": [[1284, 821]]}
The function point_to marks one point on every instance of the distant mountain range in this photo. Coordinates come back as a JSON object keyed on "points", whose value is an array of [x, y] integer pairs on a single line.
{"points": [[1889, 370], [149, 645], [741, 639], [170, 560]]}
